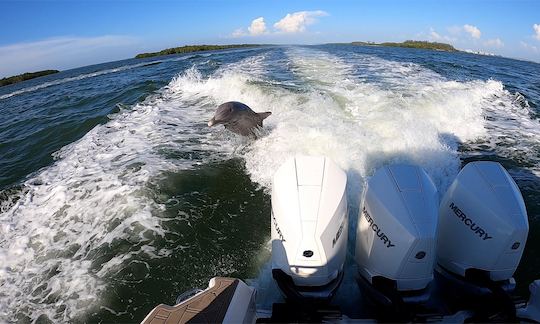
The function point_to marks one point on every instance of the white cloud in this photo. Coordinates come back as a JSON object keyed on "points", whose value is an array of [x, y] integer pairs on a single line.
{"points": [[257, 27], [63, 53], [473, 31], [292, 23], [297, 21], [494, 43], [536, 28], [529, 47]]}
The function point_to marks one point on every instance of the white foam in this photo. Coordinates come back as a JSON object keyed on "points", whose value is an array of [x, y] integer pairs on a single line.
{"points": [[362, 125], [513, 134]]}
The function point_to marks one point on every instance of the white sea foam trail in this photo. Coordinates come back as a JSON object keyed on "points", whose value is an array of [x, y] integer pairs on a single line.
{"points": [[365, 122], [52, 239], [357, 123], [513, 133]]}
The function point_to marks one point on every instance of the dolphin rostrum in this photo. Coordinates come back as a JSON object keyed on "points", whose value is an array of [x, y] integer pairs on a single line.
{"points": [[238, 118]]}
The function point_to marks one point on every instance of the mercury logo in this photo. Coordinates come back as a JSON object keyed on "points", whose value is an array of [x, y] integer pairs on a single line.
{"points": [[278, 230], [376, 229], [338, 234], [482, 233]]}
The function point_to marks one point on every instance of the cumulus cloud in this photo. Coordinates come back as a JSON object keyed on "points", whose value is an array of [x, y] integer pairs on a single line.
{"points": [[494, 43], [297, 21], [63, 53], [536, 28], [257, 27], [472, 30]]}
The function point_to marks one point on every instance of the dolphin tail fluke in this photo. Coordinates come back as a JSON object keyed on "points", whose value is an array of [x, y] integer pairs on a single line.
{"points": [[263, 116]]}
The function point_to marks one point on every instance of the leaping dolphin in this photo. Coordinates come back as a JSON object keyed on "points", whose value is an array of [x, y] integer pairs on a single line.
{"points": [[238, 118]]}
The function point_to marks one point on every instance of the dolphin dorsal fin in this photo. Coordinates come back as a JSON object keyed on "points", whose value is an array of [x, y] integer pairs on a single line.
{"points": [[263, 116]]}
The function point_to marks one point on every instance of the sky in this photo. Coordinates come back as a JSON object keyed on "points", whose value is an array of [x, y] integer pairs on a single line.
{"points": [[51, 34]]}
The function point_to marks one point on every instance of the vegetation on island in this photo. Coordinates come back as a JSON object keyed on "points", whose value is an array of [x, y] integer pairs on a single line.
{"points": [[25, 76], [423, 45], [193, 48], [412, 44]]}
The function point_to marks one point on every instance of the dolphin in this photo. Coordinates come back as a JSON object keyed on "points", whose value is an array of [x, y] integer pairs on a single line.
{"points": [[238, 118]]}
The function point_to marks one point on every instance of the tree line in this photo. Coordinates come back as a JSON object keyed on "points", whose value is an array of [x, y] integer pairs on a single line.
{"points": [[25, 76], [192, 48]]}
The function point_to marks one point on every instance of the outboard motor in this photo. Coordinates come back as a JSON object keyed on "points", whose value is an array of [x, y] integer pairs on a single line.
{"points": [[395, 237], [483, 228], [309, 227]]}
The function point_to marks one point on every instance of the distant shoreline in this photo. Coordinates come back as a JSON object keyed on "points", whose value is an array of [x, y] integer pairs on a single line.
{"points": [[201, 48], [193, 48], [410, 44], [25, 76]]}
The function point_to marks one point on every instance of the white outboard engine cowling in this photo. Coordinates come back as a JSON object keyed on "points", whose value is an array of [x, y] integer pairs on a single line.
{"points": [[309, 227], [483, 228], [483, 222], [397, 227]]}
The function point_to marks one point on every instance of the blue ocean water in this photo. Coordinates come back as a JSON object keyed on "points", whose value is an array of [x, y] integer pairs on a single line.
{"points": [[115, 195]]}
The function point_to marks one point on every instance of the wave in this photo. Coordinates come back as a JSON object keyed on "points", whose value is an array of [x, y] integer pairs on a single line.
{"points": [[363, 112], [55, 233], [89, 75]]}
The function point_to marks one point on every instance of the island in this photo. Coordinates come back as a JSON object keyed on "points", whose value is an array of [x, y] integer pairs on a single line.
{"points": [[193, 48], [412, 44], [25, 76]]}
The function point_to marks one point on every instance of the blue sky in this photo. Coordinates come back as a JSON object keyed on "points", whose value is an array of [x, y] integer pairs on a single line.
{"points": [[66, 34]]}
